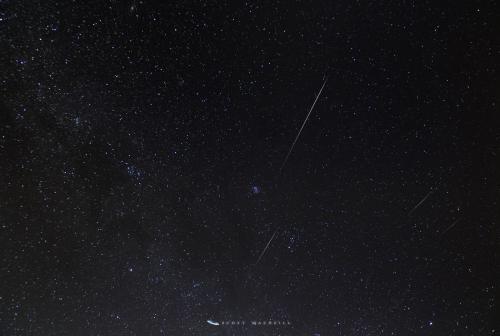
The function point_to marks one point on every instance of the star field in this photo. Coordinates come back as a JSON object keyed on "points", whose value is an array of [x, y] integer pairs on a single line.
{"points": [[140, 153]]}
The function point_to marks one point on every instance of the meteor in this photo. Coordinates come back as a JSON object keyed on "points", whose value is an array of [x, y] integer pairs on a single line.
{"points": [[212, 322], [303, 124], [267, 246], [420, 203]]}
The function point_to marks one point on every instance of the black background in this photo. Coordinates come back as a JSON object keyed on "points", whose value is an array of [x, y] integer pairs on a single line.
{"points": [[140, 149]]}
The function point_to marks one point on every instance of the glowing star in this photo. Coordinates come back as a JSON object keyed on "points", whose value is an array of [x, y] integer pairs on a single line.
{"points": [[212, 322]]}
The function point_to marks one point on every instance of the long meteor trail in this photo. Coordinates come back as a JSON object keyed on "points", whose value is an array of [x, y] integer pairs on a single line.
{"points": [[303, 124], [267, 246]]}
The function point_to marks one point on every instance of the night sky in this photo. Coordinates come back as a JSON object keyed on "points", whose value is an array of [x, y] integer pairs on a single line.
{"points": [[140, 152]]}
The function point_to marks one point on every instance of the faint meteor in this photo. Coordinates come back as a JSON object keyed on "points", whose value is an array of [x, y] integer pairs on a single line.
{"points": [[420, 203], [267, 246], [450, 227], [303, 124]]}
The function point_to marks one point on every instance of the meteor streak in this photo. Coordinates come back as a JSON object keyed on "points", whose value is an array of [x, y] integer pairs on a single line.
{"points": [[267, 246], [420, 203], [302, 127]]}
